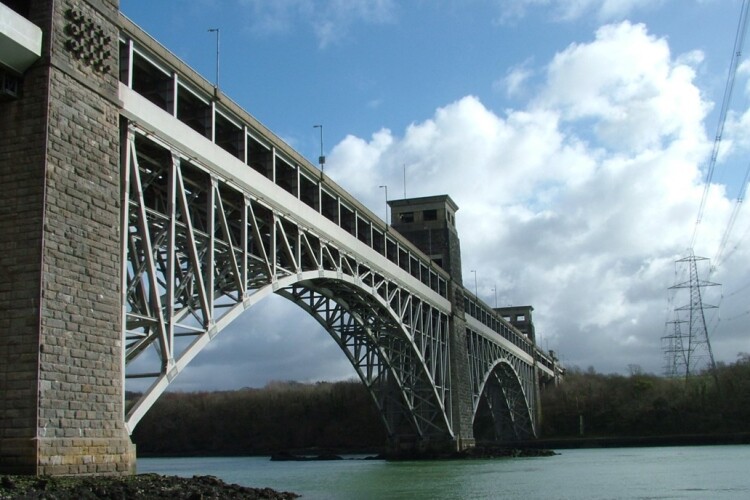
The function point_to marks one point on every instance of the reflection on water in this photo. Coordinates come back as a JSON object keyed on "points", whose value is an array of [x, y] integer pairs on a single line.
{"points": [[617, 473]]}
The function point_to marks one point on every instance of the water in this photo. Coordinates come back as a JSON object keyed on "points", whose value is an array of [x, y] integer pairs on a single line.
{"points": [[705, 472]]}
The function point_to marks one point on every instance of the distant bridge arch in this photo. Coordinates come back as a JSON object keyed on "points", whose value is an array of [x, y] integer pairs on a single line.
{"points": [[504, 405]]}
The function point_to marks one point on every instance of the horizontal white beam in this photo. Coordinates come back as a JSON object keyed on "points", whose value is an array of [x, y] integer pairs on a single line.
{"points": [[20, 41], [487, 332], [230, 169]]}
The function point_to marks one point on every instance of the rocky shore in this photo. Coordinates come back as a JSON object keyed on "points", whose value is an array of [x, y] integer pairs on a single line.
{"points": [[140, 486]]}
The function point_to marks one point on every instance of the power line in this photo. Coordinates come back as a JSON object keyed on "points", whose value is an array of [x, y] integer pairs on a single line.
{"points": [[732, 218], [739, 42]]}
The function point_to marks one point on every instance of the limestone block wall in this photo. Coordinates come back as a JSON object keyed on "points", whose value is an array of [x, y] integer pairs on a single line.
{"points": [[60, 346], [463, 408], [22, 155]]}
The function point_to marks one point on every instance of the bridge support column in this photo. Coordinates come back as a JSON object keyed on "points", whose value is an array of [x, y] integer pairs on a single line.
{"points": [[463, 408], [61, 361]]}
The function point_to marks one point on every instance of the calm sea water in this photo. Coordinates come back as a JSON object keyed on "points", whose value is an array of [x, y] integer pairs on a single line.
{"points": [[705, 472]]}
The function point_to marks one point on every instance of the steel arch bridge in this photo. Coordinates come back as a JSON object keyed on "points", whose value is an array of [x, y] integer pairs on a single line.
{"points": [[200, 252], [151, 211], [218, 213]]}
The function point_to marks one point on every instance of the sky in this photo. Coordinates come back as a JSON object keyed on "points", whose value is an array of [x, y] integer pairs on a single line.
{"points": [[574, 135]]}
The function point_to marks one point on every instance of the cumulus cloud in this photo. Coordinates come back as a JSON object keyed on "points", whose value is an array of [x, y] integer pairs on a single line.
{"points": [[578, 203], [274, 340], [627, 83], [515, 80]]}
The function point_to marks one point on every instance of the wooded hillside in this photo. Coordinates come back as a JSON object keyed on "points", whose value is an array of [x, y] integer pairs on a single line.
{"points": [[647, 405], [342, 416], [281, 416]]}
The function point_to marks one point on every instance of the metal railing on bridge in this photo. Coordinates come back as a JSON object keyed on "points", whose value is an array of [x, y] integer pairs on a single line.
{"points": [[152, 71]]}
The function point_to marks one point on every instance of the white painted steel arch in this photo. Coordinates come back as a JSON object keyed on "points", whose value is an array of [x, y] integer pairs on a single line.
{"points": [[199, 251], [486, 355], [508, 403], [218, 213]]}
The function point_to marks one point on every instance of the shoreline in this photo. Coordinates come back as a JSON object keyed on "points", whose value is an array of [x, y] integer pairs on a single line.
{"points": [[152, 485], [135, 486], [637, 441], [541, 443]]}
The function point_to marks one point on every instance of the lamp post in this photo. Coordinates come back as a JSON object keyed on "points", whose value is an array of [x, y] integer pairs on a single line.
{"points": [[494, 290], [476, 294], [216, 30], [321, 158], [404, 180], [386, 203]]}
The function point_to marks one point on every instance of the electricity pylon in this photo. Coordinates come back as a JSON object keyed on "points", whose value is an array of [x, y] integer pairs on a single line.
{"points": [[687, 349]]}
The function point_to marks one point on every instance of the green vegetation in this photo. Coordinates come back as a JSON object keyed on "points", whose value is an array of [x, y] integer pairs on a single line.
{"points": [[342, 417], [281, 416], [647, 405]]}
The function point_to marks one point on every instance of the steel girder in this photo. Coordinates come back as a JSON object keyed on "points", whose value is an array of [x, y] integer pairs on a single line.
{"points": [[504, 383], [387, 351], [199, 251]]}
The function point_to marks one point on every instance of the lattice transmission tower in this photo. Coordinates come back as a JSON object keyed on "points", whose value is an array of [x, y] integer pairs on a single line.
{"points": [[687, 348]]}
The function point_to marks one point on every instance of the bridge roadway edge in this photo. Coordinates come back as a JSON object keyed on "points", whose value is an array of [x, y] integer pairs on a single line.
{"points": [[61, 367]]}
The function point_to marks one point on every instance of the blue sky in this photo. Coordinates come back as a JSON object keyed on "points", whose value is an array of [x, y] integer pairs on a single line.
{"points": [[573, 135]]}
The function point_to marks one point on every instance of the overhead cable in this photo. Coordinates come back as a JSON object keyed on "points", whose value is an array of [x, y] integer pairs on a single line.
{"points": [[739, 42]]}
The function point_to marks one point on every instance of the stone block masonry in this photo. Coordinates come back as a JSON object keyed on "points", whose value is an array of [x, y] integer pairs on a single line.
{"points": [[61, 369]]}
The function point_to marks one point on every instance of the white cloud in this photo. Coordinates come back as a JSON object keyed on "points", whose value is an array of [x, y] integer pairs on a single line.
{"points": [[628, 85], [515, 81], [604, 10], [579, 203], [330, 20], [570, 10], [274, 337]]}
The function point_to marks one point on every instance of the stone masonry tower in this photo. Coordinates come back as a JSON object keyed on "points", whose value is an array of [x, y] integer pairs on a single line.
{"points": [[61, 364], [430, 223]]}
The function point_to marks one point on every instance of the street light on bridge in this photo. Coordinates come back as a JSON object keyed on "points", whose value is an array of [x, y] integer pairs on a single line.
{"points": [[321, 158], [476, 294], [216, 30]]}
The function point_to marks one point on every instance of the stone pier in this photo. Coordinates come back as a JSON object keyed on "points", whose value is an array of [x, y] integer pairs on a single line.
{"points": [[61, 361]]}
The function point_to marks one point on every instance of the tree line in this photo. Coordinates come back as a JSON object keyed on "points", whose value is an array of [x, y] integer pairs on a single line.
{"points": [[595, 405], [341, 416], [280, 416]]}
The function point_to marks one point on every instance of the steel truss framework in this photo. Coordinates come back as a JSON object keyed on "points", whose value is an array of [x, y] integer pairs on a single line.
{"points": [[199, 251], [503, 385]]}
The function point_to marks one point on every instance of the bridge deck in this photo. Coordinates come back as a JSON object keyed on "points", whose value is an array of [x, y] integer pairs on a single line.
{"points": [[152, 74]]}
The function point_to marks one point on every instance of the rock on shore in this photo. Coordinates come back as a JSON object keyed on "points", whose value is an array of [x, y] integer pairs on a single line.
{"points": [[131, 487]]}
